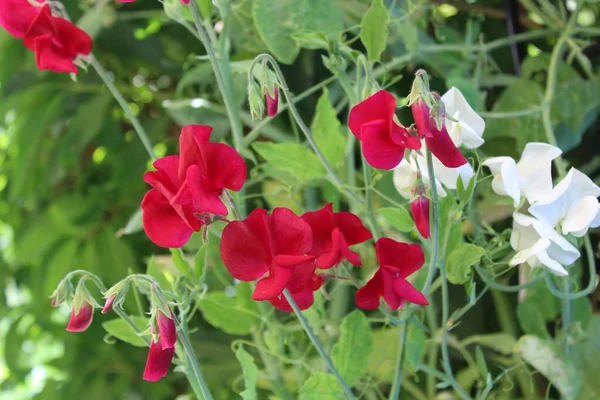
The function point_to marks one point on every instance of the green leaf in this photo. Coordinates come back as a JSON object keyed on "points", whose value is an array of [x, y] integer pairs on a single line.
{"points": [[460, 262], [122, 331], [225, 313], [311, 40], [455, 237], [154, 271], [415, 346], [351, 353], [481, 365], [546, 358], [321, 386], [250, 371], [374, 30], [180, 262], [326, 130], [503, 343], [200, 261], [277, 21], [399, 218], [206, 8], [531, 319], [293, 158], [134, 224]]}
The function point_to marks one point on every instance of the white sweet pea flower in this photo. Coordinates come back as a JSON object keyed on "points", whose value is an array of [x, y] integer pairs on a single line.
{"points": [[573, 203], [468, 131], [537, 243], [530, 177], [406, 173]]}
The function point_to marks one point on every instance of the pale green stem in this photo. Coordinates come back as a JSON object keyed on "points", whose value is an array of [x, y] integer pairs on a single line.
{"points": [[395, 392], [445, 297], [193, 370], [369, 198], [317, 344]]}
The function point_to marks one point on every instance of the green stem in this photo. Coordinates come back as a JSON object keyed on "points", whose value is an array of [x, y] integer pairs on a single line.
{"points": [[369, 198], [434, 351], [223, 77], [317, 344], [445, 297], [137, 126], [193, 370], [395, 393]]}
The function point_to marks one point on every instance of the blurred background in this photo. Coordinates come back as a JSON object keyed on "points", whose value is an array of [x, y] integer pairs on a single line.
{"points": [[71, 166]]}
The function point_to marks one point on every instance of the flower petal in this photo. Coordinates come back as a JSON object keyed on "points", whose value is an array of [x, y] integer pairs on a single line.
{"points": [[471, 125], [351, 227], [289, 234], [379, 149], [535, 170], [405, 175], [404, 258], [408, 292], [420, 213], [273, 285], [506, 177], [380, 106], [81, 319], [158, 362], [205, 195], [162, 224], [368, 296], [166, 329], [16, 16], [444, 149], [581, 216]]}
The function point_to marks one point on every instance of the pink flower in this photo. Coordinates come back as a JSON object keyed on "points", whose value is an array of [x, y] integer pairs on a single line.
{"points": [[420, 213], [333, 233], [272, 102], [438, 141], [80, 318], [108, 305], [383, 140], [158, 362], [397, 261]]}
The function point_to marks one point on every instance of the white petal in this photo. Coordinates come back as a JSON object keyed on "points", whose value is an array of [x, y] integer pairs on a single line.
{"points": [[535, 170], [469, 137], [568, 192], [529, 254], [580, 216], [449, 176], [405, 176], [554, 266], [506, 177], [455, 102], [523, 234], [421, 162]]}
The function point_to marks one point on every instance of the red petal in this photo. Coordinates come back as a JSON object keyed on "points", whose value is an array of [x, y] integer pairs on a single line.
{"points": [[286, 261], [391, 298], [420, 213], [245, 247], [225, 167], [158, 363], [367, 297], [351, 227], [304, 299], [441, 146], [167, 330], [378, 147], [420, 113], [321, 224], [162, 224], [165, 179], [272, 102], [405, 258], [190, 142], [288, 233], [80, 321], [380, 106], [16, 16], [408, 292], [205, 196], [273, 285]]}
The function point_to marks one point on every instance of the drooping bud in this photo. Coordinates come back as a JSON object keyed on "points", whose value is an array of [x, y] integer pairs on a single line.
{"points": [[108, 305], [272, 99], [81, 318], [420, 213], [162, 318], [158, 362], [166, 329], [61, 294], [115, 295], [255, 100]]}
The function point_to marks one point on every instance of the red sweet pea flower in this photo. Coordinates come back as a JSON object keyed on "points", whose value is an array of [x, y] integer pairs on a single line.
{"points": [[420, 213], [396, 262], [56, 42], [383, 140], [438, 141], [187, 188], [81, 318], [16, 16], [272, 102], [302, 285], [166, 330], [262, 243], [158, 362], [333, 233]]}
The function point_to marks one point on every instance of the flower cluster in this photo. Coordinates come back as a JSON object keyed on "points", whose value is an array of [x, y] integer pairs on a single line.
{"points": [[187, 188], [56, 42], [569, 208]]}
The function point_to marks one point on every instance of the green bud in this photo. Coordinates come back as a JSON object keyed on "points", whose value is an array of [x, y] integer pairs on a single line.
{"points": [[256, 101]]}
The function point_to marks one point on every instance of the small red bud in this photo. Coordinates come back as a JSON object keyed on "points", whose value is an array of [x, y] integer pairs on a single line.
{"points": [[108, 305], [80, 321], [420, 213], [272, 102]]}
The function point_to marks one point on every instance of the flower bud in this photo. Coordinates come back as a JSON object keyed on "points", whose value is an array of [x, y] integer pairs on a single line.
{"points": [[420, 213], [166, 329], [257, 107], [81, 317], [115, 295], [61, 294], [108, 305], [272, 99], [158, 362]]}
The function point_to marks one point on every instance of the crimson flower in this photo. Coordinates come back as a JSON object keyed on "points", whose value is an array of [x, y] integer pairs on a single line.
{"points": [[56, 42], [166, 329], [302, 285], [272, 102], [158, 362], [396, 262], [383, 140], [333, 233], [81, 317], [420, 213], [276, 244], [438, 141], [187, 188], [16, 16]]}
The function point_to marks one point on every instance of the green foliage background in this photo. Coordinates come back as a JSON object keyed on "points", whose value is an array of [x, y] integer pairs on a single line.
{"points": [[70, 188]]}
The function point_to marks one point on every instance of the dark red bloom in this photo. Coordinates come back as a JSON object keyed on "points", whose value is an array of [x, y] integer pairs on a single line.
{"points": [[272, 102], [420, 213], [56, 42], [383, 140], [333, 233], [81, 319], [187, 188], [108, 305], [166, 330], [275, 244], [438, 141], [302, 285], [158, 362], [396, 262], [16, 16]]}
